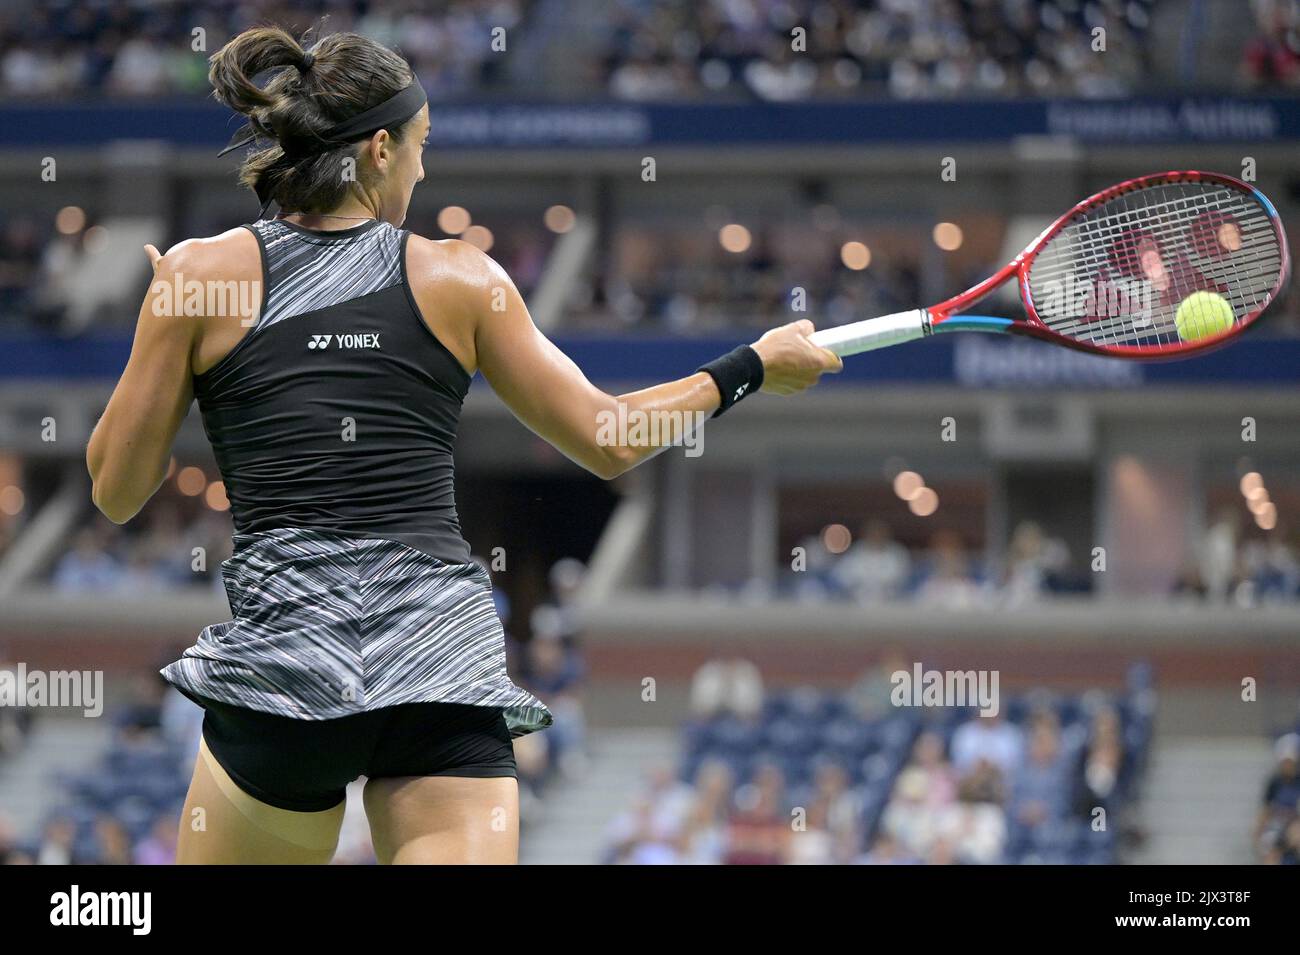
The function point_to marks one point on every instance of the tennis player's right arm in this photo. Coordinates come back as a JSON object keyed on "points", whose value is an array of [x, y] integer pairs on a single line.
{"points": [[551, 395]]}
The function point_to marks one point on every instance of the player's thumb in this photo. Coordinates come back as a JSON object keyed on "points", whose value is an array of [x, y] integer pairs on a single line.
{"points": [[804, 327]]}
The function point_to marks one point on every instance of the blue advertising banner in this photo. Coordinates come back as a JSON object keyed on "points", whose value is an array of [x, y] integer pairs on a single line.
{"points": [[623, 125], [968, 361]]}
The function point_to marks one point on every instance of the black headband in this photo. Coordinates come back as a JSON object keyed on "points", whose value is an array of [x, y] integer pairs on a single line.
{"points": [[391, 113]]}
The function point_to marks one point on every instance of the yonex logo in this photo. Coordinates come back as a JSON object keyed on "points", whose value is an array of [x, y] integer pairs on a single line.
{"points": [[741, 391], [351, 340]]}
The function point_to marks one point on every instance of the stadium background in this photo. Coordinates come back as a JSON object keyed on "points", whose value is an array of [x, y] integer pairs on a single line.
{"points": [[664, 180]]}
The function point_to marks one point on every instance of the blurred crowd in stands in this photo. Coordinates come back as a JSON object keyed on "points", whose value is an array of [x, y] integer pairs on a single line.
{"points": [[943, 574], [124, 48], [667, 278], [1271, 59], [907, 49], [1229, 566], [172, 546], [1233, 566], [807, 777], [775, 50]]}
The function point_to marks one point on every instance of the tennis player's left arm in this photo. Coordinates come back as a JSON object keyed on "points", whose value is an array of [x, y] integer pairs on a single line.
{"points": [[131, 445]]}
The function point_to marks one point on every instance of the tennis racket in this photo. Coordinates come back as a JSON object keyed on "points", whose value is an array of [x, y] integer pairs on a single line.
{"points": [[1119, 274]]}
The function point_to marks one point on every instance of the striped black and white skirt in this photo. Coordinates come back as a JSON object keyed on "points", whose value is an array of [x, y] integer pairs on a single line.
{"points": [[328, 625]]}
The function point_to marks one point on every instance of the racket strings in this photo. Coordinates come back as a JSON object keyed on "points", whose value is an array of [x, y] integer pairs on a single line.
{"points": [[1116, 274], [1058, 255], [1251, 233]]}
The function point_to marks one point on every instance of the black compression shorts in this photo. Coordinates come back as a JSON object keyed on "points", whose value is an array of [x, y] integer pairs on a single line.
{"points": [[305, 765]]}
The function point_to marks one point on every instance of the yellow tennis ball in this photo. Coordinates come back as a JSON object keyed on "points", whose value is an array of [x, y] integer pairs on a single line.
{"points": [[1202, 315]]}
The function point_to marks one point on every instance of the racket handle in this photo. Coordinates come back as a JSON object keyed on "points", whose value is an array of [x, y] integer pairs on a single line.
{"points": [[879, 332]]}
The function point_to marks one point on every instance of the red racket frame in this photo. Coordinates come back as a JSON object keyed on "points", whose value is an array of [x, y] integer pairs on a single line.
{"points": [[1033, 325]]}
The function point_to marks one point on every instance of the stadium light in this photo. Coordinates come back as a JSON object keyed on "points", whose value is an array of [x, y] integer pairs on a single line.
{"points": [[948, 236], [734, 238], [855, 255], [479, 236], [559, 219], [454, 220]]}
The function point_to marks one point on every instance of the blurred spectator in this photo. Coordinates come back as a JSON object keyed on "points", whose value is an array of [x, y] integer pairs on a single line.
{"points": [[887, 850], [1040, 788], [56, 842], [1281, 802], [1103, 763], [1034, 563], [555, 673], [991, 740], [140, 713], [551, 665], [948, 577], [1287, 851], [909, 817], [930, 764], [112, 842], [972, 832], [10, 853], [870, 695], [1271, 567], [727, 686], [813, 843], [1272, 58], [180, 719], [15, 721], [705, 831], [875, 567], [759, 832], [814, 577], [159, 847], [1219, 554], [20, 255], [88, 567]]}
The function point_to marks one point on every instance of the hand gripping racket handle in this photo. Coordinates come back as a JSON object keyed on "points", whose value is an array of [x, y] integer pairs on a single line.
{"points": [[874, 332]]}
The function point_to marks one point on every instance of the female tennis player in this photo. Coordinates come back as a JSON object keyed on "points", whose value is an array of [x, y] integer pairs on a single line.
{"points": [[364, 640]]}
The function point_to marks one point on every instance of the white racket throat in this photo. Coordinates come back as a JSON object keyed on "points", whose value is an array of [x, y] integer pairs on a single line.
{"points": [[872, 333]]}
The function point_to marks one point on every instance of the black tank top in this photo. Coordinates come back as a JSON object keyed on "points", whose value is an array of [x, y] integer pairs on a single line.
{"points": [[338, 409]]}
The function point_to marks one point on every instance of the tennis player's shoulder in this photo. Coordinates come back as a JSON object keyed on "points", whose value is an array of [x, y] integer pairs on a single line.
{"points": [[225, 256], [451, 267]]}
